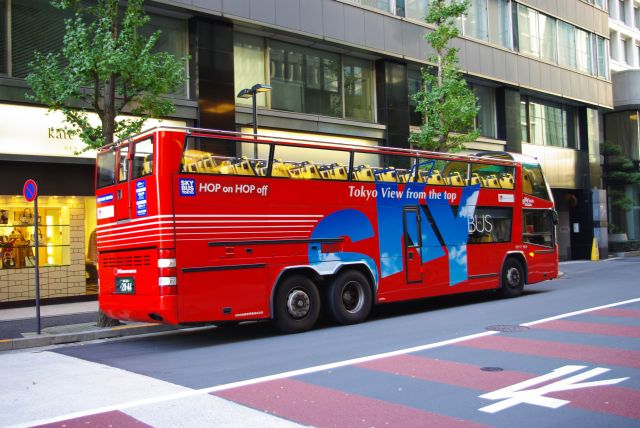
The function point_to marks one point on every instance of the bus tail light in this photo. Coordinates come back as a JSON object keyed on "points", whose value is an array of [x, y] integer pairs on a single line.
{"points": [[167, 272]]}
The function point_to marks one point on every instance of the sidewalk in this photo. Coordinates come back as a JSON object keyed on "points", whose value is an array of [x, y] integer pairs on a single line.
{"points": [[62, 323]]}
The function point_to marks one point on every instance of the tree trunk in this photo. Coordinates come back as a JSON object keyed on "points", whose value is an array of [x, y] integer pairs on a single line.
{"points": [[104, 321]]}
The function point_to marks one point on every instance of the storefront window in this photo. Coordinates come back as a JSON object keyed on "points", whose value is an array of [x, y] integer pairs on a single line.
{"points": [[18, 236]]}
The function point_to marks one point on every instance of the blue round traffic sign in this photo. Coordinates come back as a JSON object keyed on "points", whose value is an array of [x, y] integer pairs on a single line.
{"points": [[30, 190]]}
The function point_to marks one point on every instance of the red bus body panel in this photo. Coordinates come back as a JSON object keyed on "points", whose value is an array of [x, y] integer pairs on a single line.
{"points": [[234, 236]]}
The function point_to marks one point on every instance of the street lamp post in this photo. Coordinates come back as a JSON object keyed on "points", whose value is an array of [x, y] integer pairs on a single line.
{"points": [[252, 93]]}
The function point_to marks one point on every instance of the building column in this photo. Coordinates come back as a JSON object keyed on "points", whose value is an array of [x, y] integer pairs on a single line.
{"points": [[211, 44], [392, 93]]}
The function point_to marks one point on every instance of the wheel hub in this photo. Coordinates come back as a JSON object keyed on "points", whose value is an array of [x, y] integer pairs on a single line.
{"points": [[352, 297], [513, 277], [298, 304]]}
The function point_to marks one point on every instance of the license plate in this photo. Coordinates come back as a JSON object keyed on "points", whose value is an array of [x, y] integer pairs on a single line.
{"points": [[125, 285]]}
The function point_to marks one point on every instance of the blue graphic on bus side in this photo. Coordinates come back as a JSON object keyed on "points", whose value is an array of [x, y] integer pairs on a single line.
{"points": [[187, 187], [452, 228]]}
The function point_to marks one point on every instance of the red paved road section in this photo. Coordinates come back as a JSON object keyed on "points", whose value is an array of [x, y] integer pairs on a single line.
{"points": [[617, 312], [591, 328], [584, 353], [324, 407], [446, 372], [112, 419], [604, 399]]}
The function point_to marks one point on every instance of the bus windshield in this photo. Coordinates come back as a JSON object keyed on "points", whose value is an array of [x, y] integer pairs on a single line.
{"points": [[533, 181]]}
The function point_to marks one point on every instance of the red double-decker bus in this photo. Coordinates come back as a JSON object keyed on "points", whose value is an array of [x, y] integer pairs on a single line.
{"points": [[198, 226]]}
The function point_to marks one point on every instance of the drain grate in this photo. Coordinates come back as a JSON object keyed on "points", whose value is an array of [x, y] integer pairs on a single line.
{"points": [[491, 369], [506, 328]]}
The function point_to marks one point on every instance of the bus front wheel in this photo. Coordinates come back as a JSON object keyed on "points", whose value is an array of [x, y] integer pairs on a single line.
{"points": [[512, 278], [350, 297], [297, 304]]}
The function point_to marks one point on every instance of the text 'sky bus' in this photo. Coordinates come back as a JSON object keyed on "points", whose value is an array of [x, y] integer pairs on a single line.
{"points": [[198, 226]]}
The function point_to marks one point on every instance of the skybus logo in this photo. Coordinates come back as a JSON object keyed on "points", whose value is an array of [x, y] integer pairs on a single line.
{"points": [[452, 227], [187, 187]]}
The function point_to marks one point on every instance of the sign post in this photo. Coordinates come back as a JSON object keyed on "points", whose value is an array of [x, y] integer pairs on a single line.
{"points": [[30, 193]]}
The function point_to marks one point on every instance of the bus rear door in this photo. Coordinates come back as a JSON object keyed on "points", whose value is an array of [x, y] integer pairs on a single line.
{"points": [[122, 196]]}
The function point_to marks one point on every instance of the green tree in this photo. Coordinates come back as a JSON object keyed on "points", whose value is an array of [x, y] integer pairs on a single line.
{"points": [[106, 66], [618, 172], [447, 104]]}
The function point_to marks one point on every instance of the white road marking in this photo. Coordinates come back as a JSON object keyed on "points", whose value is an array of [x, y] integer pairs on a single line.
{"points": [[518, 394], [300, 372]]}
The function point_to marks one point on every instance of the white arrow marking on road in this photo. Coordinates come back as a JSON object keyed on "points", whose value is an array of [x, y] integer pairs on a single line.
{"points": [[517, 394]]}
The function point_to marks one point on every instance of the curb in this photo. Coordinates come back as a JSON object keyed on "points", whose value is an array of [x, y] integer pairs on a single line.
{"points": [[97, 333]]}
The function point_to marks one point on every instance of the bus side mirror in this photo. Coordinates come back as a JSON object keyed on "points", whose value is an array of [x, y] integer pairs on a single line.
{"points": [[554, 217]]}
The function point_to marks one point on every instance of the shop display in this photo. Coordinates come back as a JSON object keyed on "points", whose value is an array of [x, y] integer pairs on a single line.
{"points": [[17, 239]]}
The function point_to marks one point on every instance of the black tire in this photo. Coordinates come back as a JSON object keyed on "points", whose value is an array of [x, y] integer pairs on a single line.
{"points": [[296, 305], [350, 297], [512, 278]]}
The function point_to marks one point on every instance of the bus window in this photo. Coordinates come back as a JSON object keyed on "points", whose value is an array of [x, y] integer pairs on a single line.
{"points": [[533, 181], [310, 164], [456, 173], [382, 168], [492, 176], [538, 227], [490, 225], [106, 168], [430, 171], [123, 164], [225, 157], [142, 159]]}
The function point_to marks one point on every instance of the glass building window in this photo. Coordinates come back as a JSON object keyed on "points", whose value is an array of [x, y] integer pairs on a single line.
{"points": [[624, 51], [602, 57], [416, 9], [3, 37], [583, 51], [305, 80], [636, 16], [499, 14], [622, 11], [358, 89], [27, 15], [249, 66], [528, 34], [486, 117], [414, 78], [549, 124], [548, 37], [475, 21], [566, 44]]}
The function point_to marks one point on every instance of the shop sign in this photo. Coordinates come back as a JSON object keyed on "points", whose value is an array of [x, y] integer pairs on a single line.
{"points": [[34, 131]]}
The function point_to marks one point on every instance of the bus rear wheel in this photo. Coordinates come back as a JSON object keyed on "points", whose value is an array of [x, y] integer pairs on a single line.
{"points": [[296, 305], [350, 297], [512, 278]]}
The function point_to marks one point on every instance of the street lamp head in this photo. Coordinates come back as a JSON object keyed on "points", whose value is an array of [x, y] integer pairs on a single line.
{"points": [[245, 93], [260, 87]]}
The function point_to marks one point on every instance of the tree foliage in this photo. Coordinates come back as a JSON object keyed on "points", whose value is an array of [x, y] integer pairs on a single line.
{"points": [[106, 66], [618, 172], [447, 104]]}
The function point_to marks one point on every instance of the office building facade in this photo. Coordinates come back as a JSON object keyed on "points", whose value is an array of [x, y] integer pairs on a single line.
{"points": [[622, 126], [345, 71]]}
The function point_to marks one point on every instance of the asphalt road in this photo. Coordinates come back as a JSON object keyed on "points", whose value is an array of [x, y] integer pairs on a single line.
{"points": [[443, 364]]}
